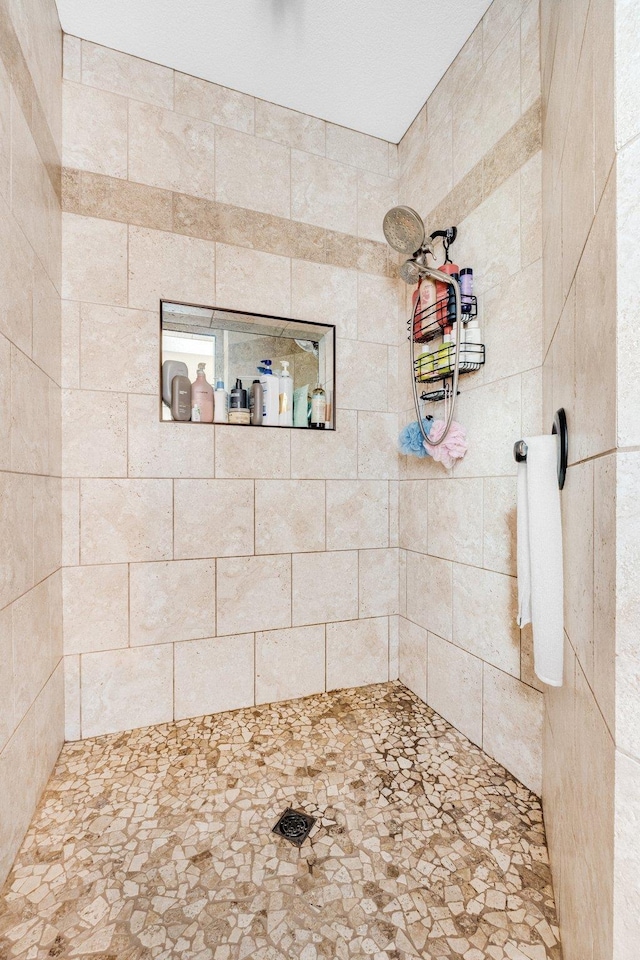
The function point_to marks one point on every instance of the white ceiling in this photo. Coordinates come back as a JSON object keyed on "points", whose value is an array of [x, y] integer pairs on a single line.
{"points": [[365, 64]]}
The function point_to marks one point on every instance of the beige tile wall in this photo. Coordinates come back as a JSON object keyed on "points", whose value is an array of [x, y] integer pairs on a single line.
{"points": [[209, 568], [472, 158], [31, 674], [592, 359]]}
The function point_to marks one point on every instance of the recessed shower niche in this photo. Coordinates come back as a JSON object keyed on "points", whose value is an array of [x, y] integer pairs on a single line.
{"points": [[249, 369]]}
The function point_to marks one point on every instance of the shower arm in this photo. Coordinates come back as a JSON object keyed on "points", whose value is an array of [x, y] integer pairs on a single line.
{"points": [[434, 274]]}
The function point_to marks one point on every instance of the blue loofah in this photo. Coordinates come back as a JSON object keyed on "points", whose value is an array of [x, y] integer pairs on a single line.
{"points": [[410, 440]]}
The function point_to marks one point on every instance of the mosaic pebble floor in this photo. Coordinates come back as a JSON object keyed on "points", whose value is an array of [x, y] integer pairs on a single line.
{"points": [[157, 843]]}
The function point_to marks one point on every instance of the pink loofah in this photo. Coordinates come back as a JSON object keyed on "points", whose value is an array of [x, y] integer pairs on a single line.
{"points": [[454, 446]]}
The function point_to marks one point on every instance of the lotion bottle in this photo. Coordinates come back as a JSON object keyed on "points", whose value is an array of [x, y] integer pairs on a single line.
{"points": [[220, 403], [285, 396], [202, 395]]}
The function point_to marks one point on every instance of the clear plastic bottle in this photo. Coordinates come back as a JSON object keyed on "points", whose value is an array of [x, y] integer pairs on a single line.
{"points": [[318, 408]]}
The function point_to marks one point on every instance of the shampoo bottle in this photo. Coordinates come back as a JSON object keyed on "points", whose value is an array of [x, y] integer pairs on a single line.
{"points": [[220, 403], [285, 396], [256, 402], [270, 395], [239, 405], [442, 293], [202, 396], [181, 398]]}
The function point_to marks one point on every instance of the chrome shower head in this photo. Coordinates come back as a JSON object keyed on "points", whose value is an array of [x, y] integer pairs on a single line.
{"points": [[410, 272], [403, 229]]}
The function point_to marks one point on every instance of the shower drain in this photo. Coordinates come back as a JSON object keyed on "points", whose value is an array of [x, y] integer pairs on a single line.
{"points": [[294, 826]]}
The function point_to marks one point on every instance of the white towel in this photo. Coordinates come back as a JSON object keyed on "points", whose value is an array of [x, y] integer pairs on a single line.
{"points": [[540, 576]]}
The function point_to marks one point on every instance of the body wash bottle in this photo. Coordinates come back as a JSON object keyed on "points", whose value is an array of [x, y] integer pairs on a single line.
{"points": [[202, 396]]}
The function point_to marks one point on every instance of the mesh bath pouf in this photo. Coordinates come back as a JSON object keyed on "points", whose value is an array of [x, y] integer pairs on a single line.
{"points": [[452, 448], [411, 441]]}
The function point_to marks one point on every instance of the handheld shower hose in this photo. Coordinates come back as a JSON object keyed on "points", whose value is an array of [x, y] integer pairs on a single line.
{"points": [[404, 232], [444, 278]]}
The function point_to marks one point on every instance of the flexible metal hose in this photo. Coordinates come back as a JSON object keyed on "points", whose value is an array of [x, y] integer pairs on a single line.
{"points": [[443, 278]]}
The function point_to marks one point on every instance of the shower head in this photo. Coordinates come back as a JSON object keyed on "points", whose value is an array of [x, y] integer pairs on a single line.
{"points": [[403, 229], [410, 272]]}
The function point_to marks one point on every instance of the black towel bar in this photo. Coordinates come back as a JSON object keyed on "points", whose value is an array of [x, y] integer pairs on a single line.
{"points": [[559, 428]]}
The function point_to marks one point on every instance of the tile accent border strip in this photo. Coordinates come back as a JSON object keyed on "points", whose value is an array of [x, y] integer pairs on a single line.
{"points": [[17, 68], [512, 151], [109, 198]]}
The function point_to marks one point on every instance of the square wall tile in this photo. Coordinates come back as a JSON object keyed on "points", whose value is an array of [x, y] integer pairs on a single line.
{"points": [[95, 130], [94, 260], [454, 687], [429, 593], [327, 454], [8, 720], [213, 518], [253, 280], [16, 520], [322, 293], [484, 616], [238, 451], [127, 75], [94, 434], [31, 420], [290, 663], [357, 514], [325, 586], [164, 449], [512, 726], [254, 593], [95, 608], [125, 520], [412, 657], [107, 335], [324, 193], [210, 101], [455, 520], [169, 266], [378, 582], [378, 309], [357, 653], [213, 675], [170, 150], [72, 730], [172, 601], [252, 173], [125, 689], [294, 129], [358, 149], [377, 446], [354, 391], [376, 195], [290, 516], [499, 525]]}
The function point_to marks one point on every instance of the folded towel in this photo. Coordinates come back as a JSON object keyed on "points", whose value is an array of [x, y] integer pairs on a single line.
{"points": [[540, 576]]}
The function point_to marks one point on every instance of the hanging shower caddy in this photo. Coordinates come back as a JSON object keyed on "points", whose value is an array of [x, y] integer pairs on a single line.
{"points": [[427, 326], [405, 232]]}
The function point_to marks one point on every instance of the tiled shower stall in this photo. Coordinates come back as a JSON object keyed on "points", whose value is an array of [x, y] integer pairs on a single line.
{"points": [[153, 573]]}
